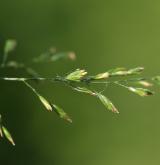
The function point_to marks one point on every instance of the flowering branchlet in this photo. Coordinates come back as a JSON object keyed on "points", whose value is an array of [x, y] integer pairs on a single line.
{"points": [[77, 75], [125, 72], [61, 113], [141, 91], [78, 80], [5, 133], [107, 103]]}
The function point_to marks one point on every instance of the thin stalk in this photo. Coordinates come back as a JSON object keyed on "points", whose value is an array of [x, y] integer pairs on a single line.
{"points": [[24, 78], [62, 79], [29, 86], [122, 85]]}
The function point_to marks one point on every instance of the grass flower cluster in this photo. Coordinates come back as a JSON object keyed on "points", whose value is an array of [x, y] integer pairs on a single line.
{"points": [[78, 80]]}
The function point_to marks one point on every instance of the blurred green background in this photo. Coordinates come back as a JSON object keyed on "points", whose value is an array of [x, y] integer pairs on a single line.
{"points": [[104, 34]]}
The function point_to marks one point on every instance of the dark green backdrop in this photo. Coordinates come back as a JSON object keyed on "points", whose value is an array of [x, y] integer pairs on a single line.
{"points": [[104, 34]]}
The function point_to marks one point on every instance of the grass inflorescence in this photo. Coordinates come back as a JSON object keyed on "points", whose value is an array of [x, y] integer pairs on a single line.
{"points": [[78, 80]]}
